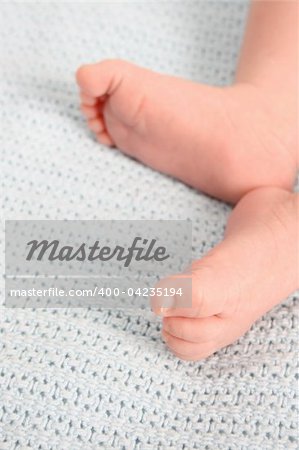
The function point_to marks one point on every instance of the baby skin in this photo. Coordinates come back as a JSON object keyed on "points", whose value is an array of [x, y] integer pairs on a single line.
{"points": [[237, 143]]}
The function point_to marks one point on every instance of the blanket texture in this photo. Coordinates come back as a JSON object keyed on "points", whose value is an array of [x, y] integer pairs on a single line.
{"points": [[88, 379]]}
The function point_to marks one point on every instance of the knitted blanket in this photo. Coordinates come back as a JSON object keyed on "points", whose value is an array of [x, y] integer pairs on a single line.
{"points": [[97, 378]]}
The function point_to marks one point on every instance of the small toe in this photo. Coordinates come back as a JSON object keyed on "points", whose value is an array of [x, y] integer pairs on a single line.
{"points": [[87, 100], [96, 125], [90, 112], [105, 139], [189, 351], [194, 330]]}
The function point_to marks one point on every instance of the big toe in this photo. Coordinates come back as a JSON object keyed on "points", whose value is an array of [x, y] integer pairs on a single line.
{"points": [[101, 78]]}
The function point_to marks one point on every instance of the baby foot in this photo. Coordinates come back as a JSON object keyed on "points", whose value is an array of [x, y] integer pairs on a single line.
{"points": [[252, 270], [224, 141]]}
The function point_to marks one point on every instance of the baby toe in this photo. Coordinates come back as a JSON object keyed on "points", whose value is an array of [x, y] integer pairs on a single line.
{"points": [[101, 78], [96, 125], [90, 112], [105, 139], [194, 330], [186, 350], [88, 100]]}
